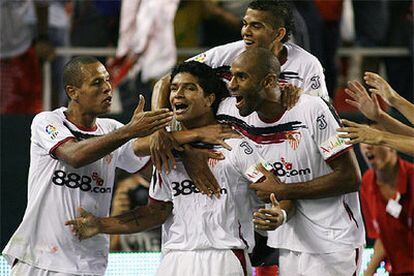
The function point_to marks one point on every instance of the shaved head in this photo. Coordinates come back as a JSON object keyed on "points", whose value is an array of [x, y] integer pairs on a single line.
{"points": [[262, 61]]}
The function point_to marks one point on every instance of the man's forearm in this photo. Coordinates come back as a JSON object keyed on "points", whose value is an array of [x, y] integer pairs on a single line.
{"points": [[401, 143], [345, 178], [139, 219], [392, 125], [142, 145], [405, 107], [161, 93], [377, 257], [79, 154]]}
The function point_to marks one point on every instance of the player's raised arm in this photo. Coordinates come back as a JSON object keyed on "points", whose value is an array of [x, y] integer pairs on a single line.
{"points": [[81, 153]]}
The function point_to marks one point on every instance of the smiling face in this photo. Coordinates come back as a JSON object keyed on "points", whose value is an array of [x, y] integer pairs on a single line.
{"points": [[257, 30], [247, 87], [188, 100], [94, 96]]}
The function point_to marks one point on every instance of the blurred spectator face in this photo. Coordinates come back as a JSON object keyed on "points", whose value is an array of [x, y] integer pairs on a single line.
{"points": [[257, 30], [378, 157], [95, 94]]}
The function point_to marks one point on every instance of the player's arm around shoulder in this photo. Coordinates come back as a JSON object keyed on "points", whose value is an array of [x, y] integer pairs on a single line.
{"points": [[80, 153]]}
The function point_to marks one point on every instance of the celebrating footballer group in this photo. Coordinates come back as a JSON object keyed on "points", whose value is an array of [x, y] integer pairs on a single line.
{"points": [[253, 152]]}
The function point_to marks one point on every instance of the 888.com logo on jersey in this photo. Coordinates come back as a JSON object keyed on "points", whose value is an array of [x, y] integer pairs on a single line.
{"points": [[85, 183]]}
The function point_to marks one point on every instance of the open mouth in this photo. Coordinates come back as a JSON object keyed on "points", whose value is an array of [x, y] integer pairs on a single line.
{"points": [[248, 42], [239, 101], [180, 108], [108, 100]]}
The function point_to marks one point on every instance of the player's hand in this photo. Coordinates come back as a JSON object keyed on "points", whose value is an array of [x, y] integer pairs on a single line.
{"points": [[162, 144], [380, 87], [369, 106], [196, 164], [290, 95], [216, 134], [357, 133], [269, 219], [271, 184], [145, 123], [85, 225]]}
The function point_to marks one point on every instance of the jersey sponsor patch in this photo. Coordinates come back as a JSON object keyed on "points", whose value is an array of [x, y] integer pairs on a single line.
{"points": [[254, 175], [52, 131], [333, 145], [201, 58]]}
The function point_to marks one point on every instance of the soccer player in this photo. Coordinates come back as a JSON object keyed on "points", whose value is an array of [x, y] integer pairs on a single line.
{"points": [[201, 235], [312, 166], [73, 157]]}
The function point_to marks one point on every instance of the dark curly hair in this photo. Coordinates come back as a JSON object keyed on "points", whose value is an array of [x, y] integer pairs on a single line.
{"points": [[208, 80], [281, 14]]}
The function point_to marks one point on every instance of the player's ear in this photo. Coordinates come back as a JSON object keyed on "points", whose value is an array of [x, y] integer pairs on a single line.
{"points": [[211, 98], [280, 34], [72, 92], [270, 81]]}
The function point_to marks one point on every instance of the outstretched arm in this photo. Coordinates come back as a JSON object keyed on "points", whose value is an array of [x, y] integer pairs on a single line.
{"points": [[80, 153], [370, 108], [383, 88], [211, 134], [345, 178], [139, 219], [358, 133]]}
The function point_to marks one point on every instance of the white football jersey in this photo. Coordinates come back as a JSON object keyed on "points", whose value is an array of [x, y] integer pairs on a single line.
{"points": [[198, 222], [298, 144], [56, 190], [301, 68]]}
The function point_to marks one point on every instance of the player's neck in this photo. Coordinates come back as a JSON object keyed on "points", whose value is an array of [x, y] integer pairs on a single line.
{"points": [[80, 119], [204, 120], [271, 111], [281, 52]]}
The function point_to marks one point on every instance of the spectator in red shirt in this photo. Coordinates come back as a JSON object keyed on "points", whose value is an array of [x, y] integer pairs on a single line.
{"points": [[387, 199]]}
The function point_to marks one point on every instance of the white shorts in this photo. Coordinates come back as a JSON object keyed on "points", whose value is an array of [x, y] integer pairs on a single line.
{"points": [[212, 262], [347, 263], [23, 269]]}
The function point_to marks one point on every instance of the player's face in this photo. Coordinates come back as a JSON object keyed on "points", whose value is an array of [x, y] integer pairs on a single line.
{"points": [[377, 157], [95, 94], [257, 30], [188, 101], [246, 87]]}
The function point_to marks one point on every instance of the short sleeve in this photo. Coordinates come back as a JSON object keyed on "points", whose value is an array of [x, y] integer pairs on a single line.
{"points": [[314, 83], [160, 188], [324, 122], [245, 157], [49, 131], [127, 160]]}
